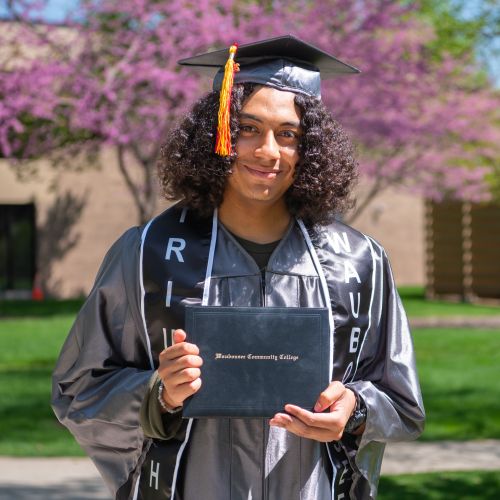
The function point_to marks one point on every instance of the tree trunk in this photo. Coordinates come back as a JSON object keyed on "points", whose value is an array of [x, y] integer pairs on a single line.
{"points": [[360, 207], [143, 193]]}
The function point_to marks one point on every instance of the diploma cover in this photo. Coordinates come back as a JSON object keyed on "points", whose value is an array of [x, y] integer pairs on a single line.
{"points": [[257, 359]]}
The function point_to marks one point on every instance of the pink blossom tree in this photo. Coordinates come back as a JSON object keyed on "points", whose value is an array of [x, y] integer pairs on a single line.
{"points": [[109, 78]]}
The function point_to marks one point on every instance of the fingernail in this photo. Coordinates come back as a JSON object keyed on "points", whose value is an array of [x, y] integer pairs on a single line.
{"points": [[317, 407]]}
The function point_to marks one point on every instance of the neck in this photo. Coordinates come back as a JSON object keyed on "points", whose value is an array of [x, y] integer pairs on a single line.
{"points": [[260, 223]]}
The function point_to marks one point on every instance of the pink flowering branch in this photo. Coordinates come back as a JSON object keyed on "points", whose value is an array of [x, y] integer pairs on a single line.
{"points": [[110, 78]]}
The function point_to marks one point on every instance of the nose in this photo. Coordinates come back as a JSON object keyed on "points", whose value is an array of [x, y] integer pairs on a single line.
{"points": [[268, 149]]}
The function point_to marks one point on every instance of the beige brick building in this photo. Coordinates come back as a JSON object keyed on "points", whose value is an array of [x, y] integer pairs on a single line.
{"points": [[79, 215], [396, 220]]}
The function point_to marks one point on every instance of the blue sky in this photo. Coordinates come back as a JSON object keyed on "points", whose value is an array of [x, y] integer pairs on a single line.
{"points": [[56, 10]]}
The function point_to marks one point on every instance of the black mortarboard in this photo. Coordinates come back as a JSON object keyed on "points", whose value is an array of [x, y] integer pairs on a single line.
{"points": [[284, 62]]}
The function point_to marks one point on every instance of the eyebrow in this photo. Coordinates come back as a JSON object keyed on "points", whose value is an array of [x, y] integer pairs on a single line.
{"points": [[257, 119]]}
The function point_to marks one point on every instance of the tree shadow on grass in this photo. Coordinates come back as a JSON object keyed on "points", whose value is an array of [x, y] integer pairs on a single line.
{"points": [[39, 309], [27, 422], [449, 414], [470, 485]]}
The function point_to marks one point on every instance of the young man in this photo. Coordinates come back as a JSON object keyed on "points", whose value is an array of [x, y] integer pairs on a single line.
{"points": [[255, 227]]}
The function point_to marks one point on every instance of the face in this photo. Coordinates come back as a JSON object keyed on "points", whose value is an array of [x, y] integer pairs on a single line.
{"points": [[267, 148]]}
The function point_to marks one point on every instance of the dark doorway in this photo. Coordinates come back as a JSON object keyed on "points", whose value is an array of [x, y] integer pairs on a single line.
{"points": [[17, 248]]}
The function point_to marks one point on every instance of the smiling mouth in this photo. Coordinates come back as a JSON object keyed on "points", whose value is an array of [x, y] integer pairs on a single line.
{"points": [[263, 174]]}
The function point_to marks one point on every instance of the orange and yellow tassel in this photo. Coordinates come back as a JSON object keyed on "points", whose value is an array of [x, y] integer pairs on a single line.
{"points": [[223, 140]]}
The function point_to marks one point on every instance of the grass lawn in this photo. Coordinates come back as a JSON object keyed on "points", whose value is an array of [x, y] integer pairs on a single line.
{"points": [[28, 349], [416, 306], [460, 377], [413, 299], [44, 308], [470, 485], [459, 371]]}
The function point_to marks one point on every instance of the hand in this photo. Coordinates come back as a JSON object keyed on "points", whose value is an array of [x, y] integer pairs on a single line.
{"points": [[322, 427], [179, 370]]}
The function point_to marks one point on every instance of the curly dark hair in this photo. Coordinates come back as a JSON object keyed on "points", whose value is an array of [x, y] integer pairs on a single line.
{"points": [[190, 170]]}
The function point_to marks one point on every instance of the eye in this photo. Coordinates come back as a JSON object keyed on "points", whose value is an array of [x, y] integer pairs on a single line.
{"points": [[289, 134], [247, 129], [288, 137]]}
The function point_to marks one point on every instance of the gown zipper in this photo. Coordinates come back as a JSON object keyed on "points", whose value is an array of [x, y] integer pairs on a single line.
{"points": [[263, 288], [264, 433]]}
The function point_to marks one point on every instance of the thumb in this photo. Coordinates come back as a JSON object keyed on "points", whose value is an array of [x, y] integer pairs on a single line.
{"points": [[179, 336], [331, 394]]}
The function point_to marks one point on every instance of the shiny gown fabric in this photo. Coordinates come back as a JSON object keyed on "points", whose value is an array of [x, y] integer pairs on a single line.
{"points": [[147, 278]]}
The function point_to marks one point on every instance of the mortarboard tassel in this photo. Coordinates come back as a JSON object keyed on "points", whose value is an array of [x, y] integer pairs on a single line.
{"points": [[223, 140]]}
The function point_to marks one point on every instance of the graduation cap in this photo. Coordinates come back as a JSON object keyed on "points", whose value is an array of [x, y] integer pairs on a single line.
{"points": [[285, 62]]}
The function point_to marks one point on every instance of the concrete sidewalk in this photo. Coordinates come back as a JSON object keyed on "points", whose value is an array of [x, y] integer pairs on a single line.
{"points": [[486, 322], [77, 478]]}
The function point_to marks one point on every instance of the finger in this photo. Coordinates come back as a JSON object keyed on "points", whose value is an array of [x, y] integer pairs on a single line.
{"points": [[332, 393], [331, 421], [177, 350], [188, 361], [175, 396], [183, 391], [168, 368], [281, 419], [179, 336], [181, 377], [299, 428]]}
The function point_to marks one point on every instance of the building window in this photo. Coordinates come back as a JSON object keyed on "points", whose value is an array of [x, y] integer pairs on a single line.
{"points": [[17, 249]]}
